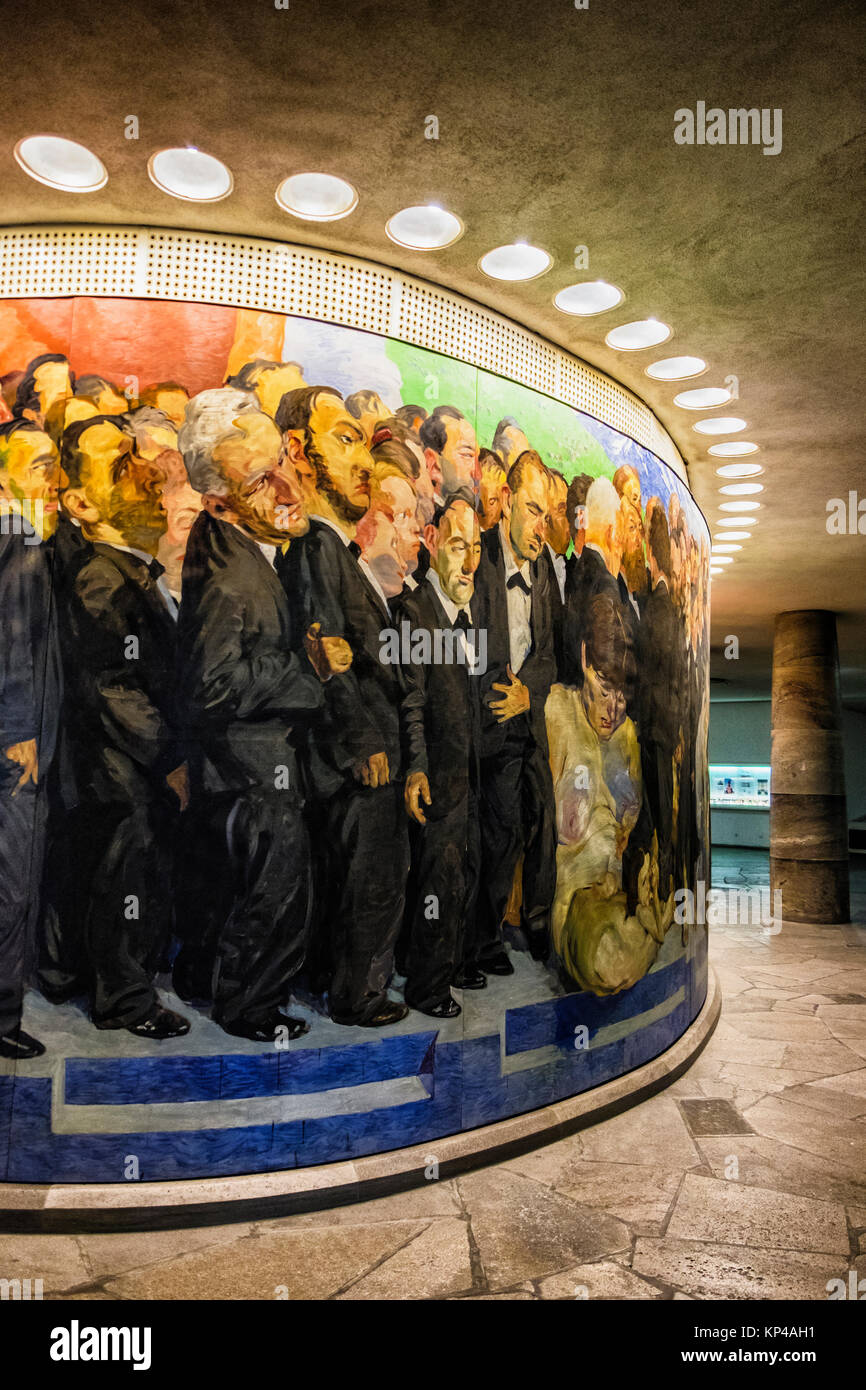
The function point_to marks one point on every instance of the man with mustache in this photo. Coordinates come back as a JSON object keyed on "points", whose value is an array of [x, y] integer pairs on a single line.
{"points": [[245, 698], [29, 704], [117, 625], [355, 753]]}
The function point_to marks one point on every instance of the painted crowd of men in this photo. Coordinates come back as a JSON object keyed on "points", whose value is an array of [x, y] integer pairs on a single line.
{"points": [[206, 765]]}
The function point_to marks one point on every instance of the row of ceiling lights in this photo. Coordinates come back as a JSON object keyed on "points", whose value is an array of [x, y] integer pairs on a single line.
{"points": [[194, 176]]}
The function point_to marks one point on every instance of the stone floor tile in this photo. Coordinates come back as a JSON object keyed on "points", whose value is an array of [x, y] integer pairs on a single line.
{"points": [[603, 1280], [57, 1260], [734, 1047], [853, 1083], [716, 1116], [843, 1141], [117, 1252], [789, 1028], [765, 1079], [525, 1231], [436, 1264], [636, 1193], [430, 1200], [756, 1217], [714, 1271], [828, 1102], [827, 1058], [857, 1217], [309, 1264], [653, 1133], [760, 1162]]}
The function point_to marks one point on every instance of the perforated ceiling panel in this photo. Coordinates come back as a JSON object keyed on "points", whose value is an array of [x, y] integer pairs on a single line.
{"points": [[206, 268]]}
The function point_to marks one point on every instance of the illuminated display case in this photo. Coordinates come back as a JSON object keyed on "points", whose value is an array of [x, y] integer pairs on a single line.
{"points": [[739, 785]]}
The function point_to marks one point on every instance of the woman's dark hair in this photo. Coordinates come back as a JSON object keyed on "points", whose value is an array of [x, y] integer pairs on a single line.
{"points": [[609, 644]]}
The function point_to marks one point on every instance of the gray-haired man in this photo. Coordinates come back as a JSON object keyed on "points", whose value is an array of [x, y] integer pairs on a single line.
{"points": [[243, 695]]}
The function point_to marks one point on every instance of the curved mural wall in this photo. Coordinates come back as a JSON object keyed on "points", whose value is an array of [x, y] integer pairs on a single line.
{"points": [[354, 775]]}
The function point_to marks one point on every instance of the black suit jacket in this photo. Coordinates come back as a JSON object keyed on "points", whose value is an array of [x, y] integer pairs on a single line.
{"points": [[439, 713], [490, 611], [588, 576], [240, 686], [118, 643], [661, 671], [557, 607], [325, 584], [30, 673]]}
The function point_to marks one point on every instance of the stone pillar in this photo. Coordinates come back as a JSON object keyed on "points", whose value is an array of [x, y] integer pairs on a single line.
{"points": [[808, 816]]}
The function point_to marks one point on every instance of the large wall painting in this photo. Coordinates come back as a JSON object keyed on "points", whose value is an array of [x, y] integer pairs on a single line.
{"points": [[353, 744]]}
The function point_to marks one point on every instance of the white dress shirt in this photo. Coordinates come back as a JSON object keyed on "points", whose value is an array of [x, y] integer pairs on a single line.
{"points": [[519, 604], [559, 569]]}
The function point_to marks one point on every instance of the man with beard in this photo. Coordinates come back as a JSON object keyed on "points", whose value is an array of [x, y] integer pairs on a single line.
{"points": [[440, 717], [451, 451], [29, 704], [355, 753], [43, 393], [118, 641], [241, 693], [512, 602]]}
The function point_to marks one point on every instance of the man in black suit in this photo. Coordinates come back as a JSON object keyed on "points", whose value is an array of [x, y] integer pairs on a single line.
{"points": [[29, 704], [355, 750], [241, 694], [440, 715], [117, 626], [595, 571], [557, 541], [512, 602], [661, 695]]}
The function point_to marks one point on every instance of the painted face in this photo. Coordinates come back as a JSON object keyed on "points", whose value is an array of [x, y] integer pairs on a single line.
{"points": [[457, 553], [125, 489], [377, 537], [459, 458], [558, 533], [633, 563], [372, 416], [492, 483], [514, 443], [273, 384], [182, 506], [404, 513], [54, 388], [172, 403], [264, 491], [603, 702], [30, 477], [340, 458], [527, 524], [78, 409], [631, 490]]}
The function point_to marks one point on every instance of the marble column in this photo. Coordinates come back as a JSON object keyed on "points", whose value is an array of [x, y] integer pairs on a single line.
{"points": [[808, 816]]}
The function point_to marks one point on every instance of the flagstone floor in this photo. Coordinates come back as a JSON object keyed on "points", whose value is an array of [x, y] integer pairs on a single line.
{"points": [[745, 1179]]}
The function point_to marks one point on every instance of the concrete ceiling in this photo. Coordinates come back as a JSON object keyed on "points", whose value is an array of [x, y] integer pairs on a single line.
{"points": [[556, 125]]}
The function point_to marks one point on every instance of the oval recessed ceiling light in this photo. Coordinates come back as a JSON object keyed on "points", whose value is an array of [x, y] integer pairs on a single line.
{"points": [[742, 489], [643, 333], [723, 549], [317, 197], [737, 520], [424, 228], [519, 261], [190, 174], [703, 397], [676, 368], [738, 506], [60, 163], [735, 535], [725, 424], [722, 559], [733, 449], [739, 470], [588, 297]]}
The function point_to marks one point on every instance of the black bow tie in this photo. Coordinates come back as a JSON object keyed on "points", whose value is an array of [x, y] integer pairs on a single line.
{"points": [[462, 620], [155, 569], [354, 549], [518, 582]]}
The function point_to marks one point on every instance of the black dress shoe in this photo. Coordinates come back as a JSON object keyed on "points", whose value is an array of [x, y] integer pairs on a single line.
{"points": [[497, 965], [63, 993], [159, 1024], [271, 1029], [446, 1008], [390, 1012], [539, 944], [472, 978], [20, 1047]]}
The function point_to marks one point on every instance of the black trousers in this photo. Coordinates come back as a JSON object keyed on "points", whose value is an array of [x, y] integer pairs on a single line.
{"points": [[517, 816], [442, 940], [63, 960], [22, 841], [369, 861], [658, 775], [262, 941], [124, 858]]}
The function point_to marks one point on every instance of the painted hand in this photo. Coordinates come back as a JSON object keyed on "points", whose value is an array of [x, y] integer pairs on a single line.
{"points": [[329, 656], [24, 755], [417, 787], [515, 698]]}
